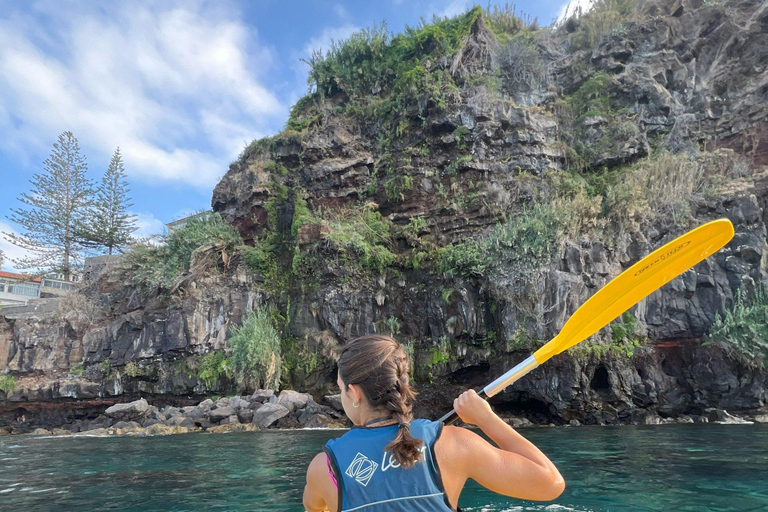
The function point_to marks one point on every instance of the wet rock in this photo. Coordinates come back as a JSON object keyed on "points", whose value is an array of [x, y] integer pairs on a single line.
{"points": [[162, 430], [41, 432], [722, 417]]}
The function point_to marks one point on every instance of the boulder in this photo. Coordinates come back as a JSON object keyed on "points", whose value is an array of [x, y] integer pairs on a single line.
{"points": [[293, 400], [136, 408], [220, 413], [245, 415], [335, 402], [41, 432], [762, 418], [722, 417], [238, 403], [196, 413], [161, 430], [267, 414], [319, 420], [262, 395]]}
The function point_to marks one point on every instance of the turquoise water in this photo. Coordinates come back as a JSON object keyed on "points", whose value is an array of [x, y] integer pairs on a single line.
{"points": [[659, 468]]}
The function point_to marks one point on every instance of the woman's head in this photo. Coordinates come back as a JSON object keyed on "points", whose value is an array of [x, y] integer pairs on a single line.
{"points": [[374, 375]]}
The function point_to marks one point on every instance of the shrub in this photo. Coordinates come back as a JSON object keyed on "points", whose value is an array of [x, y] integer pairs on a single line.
{"points": [[362, 235], [743, 330], [520, 62], [132, 370], [7, 383], [255, 351], [504, 21], [601, 20], [158, 266], [397, 186], [212, 367], [522, 243]]}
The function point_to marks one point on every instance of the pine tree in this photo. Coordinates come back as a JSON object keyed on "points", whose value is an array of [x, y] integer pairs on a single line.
{"points": [[58, 203], [109, 225]]}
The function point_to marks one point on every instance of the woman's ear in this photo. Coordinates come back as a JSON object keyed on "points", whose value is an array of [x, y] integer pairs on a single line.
{"points": [[357, 393]]}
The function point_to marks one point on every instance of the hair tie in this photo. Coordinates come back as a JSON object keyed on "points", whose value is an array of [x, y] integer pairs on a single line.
{"points": [[404, 425]]}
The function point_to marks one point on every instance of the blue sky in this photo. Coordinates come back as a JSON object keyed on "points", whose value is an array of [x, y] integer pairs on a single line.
{"points": [[180, 86]]}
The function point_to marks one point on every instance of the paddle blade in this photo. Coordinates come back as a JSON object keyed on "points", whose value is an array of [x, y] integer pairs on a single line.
{"points": [[637, 282]]}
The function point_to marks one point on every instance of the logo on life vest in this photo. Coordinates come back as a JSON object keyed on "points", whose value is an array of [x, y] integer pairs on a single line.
{"points": [[361, 469]]}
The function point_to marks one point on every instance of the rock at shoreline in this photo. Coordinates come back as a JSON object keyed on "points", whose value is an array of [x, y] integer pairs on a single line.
{"points": [[262, 395], [220, 413], [335, 402], [722, 417], [136, 408], [293, 400], [267, 414]]}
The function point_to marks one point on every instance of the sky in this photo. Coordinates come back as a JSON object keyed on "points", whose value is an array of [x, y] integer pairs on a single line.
{"points": [[181, 87]]}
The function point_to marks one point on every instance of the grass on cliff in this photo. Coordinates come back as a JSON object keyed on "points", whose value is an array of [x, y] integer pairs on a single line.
{"points": [[7, 383], [743, 330], [158, 266], [604, 18], [363, 236], [255, 352], [521, 244]]}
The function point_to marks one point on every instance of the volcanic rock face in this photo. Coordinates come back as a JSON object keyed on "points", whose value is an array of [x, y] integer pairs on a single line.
{"points": [[689, 74]]}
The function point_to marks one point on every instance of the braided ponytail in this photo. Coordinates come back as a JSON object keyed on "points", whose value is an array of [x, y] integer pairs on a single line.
{"points": [[379, 366], [405, 448]]}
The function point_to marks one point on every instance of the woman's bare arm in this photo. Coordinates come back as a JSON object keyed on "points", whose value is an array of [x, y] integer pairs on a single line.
{"points": [[516, 468], [318, 495]]}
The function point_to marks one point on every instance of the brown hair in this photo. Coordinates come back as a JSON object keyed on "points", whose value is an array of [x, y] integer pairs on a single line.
{"points": [[379, 365]]}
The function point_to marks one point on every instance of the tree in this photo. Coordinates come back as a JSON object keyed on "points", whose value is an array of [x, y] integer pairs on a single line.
{"points": [[109, 224], [58, 203]]}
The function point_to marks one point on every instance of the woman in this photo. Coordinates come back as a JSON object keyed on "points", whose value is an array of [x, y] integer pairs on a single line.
{"points": [[389, 462]]}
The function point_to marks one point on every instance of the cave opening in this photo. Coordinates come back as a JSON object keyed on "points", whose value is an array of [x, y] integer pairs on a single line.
{"points": [[600, 380]]}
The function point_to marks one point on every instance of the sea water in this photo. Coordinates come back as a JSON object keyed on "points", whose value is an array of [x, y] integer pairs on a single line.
{"points": [[606, 469]]}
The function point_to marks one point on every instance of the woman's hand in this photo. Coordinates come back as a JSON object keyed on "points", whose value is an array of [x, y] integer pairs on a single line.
{"points": [[472, 409]]}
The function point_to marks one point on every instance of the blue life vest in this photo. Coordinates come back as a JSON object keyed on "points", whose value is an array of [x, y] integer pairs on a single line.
{"points": [[371, 480]]}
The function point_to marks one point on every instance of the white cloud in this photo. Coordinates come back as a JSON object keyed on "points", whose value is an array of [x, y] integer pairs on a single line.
{"points": [[175, 85], [454, 8], [10, 250], [323, 41], [570, 7], [148, 225]]}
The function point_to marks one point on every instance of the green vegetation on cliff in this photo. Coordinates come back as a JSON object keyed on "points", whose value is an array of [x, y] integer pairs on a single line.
{"points": [[7, 383], [255, 351], [152, 266], [743, 329]]}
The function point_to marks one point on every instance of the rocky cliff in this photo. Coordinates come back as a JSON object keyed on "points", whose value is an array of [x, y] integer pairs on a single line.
{"points": [[466, 187]]}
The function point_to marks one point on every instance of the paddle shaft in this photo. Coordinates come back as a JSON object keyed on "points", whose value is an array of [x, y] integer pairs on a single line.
{"points": [[498, 385]]}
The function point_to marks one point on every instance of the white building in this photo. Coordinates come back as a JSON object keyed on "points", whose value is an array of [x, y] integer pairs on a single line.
{"points": [[17, 289]]}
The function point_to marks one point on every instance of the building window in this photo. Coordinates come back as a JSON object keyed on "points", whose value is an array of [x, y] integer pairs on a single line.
{"points": [[29, 290]]}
